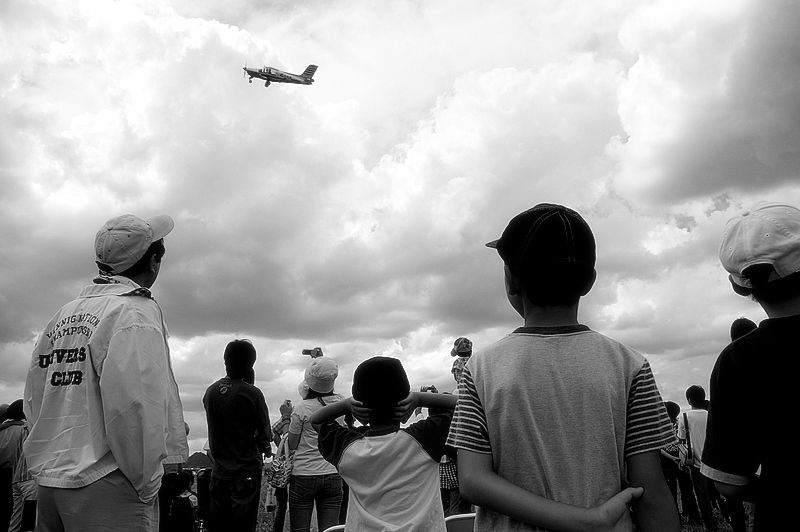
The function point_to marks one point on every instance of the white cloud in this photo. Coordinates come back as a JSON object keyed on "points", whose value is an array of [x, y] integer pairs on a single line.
{"points": [[352, 214]]}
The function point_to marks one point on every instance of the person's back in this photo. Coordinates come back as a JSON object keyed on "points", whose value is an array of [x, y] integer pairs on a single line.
{"points": [[101, 396], [555, 403], [234, 414], [556, 409], [392, 472], [752, 388], [238, 433]]}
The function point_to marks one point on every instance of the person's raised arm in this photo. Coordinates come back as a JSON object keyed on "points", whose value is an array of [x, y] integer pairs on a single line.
{"points": [[480, 485], [329, 413]]}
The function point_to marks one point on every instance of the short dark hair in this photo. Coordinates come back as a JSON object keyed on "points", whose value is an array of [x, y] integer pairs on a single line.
{"points": [[156, 249], [673, 409], [742, 326], [764, 290], [696, 395], [239, 357]]}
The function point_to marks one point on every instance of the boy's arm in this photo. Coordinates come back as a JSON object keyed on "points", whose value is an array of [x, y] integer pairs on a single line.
{"points": [[330, 412], [437, 401], [480, 485], [655, 510]]}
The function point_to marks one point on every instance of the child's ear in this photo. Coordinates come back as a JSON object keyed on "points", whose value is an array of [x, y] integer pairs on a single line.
{"points": [[514, 291], [513, 286], [589, 284]]}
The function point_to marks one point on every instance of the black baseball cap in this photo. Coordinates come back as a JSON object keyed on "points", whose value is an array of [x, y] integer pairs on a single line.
{"points": [[380, 382], [545, 236]]}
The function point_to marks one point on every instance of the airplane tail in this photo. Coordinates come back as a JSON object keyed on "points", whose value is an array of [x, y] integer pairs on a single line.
{"points": [[308, 73]]}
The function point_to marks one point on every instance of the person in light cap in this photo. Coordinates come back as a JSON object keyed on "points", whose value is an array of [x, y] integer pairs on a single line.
{"points": [[313, 482], [100, 395], [760, 250]]}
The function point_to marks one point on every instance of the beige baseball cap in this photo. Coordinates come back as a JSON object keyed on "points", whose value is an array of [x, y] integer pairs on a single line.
{"points": [[767, 233], [123, 240]]}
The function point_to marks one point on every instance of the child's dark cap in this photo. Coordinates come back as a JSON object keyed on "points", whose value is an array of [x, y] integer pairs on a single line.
{"points": [[544, 236], [380, 382]]}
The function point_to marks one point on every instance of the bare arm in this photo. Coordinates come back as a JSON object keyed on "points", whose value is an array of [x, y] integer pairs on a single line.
{"points": [[655, 510], [293, 441], [482, 486], [329, 413]]}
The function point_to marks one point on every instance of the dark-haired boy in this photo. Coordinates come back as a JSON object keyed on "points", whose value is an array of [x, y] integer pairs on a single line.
{"points": [[760, 249], [555, 409], [238, 435], [393, 473]]}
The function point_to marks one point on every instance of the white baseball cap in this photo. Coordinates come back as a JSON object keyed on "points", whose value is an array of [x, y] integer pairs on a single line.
{"points": [[123, 240], [767, 233]]}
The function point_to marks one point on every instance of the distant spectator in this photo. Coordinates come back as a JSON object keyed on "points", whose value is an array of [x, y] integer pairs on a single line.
{"points": [[692, 431], [280, 431], [183, 506], [452, 502], [314, 483], [742, 326], [12, 435], [238, 435], [392, 473], [677, 477], [6, 475], [741, 518], [753, 384]]}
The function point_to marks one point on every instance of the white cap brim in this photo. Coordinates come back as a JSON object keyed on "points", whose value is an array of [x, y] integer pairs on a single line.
{"points": [[162, 225]]}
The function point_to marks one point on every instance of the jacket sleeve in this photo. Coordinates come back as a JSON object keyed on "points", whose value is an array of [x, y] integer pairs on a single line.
{"points": [[134, 386]]}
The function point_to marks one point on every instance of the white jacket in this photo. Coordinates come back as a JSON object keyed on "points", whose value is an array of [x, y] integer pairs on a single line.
{"points": [[100, 393]]}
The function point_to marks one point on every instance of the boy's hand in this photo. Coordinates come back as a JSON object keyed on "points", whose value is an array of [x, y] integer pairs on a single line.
{"points": [[614, 515], [405, 408], [360, 412]]}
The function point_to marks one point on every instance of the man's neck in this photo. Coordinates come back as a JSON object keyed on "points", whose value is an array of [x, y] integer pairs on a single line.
{"points": [[783, 309]]}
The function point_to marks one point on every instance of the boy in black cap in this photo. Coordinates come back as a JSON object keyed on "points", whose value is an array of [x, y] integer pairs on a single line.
{"points": [[392, 472], [555, 409], [753, 384]]}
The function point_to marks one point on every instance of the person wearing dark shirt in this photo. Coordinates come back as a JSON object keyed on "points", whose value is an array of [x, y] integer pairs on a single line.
{"points": [[238, 435], [752, 389]]}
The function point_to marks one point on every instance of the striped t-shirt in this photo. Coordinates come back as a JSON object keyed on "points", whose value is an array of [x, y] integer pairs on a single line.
{"points": [[559, 409]]}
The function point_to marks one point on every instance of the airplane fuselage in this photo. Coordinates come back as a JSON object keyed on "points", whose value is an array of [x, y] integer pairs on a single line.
{"points": [[273, 75]]}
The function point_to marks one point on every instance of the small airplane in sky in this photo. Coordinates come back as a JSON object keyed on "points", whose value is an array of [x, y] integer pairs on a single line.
{"points": [[269, 74]]}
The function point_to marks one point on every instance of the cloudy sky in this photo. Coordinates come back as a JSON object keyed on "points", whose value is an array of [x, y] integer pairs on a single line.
{"points": [[352, 214]]}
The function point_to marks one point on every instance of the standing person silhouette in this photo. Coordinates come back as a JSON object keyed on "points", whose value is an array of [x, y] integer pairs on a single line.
{"points": [[238, 436]]}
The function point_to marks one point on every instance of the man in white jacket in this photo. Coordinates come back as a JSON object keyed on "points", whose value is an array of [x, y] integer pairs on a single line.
{"points": [[101, 396]]}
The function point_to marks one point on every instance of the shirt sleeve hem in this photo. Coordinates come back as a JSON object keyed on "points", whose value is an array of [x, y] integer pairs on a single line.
{"points": [[722, 476]]}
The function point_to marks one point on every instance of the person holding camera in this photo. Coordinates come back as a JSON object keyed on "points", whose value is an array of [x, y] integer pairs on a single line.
{"points": [[313, 482]]}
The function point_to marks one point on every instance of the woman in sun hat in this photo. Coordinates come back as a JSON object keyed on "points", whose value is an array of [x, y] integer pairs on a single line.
{"points": [[314, 481]]}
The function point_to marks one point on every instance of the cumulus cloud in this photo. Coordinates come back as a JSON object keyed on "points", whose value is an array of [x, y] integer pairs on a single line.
{"points": [[352, 214]]}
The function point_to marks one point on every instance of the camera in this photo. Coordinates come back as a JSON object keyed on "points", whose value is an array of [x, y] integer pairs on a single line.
{"points": [[313, 353]]}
